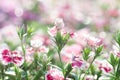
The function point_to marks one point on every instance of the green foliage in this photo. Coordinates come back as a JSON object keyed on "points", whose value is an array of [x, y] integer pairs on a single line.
{"points": [[117, 37], [92, 69], [113, 60], [17, 72], [67, 70], [61, 40], [86, 53], [98, 51]]}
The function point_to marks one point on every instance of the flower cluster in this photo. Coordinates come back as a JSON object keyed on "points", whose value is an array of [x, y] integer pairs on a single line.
{"points": [[60, 55]]}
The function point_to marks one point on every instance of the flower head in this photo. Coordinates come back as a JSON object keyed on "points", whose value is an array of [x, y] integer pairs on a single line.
{"points": [[54, 74], [92, 41], [11, 57], [77, 62]]}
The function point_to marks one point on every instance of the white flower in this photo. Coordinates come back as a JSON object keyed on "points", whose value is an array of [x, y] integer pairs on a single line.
{"points": [[59, 23], [36, 43]]}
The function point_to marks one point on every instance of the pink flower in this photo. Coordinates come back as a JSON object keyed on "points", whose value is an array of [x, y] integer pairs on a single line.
{"points": [[44, 38], [52, 31], [54, 74], [116, 50], [43, 49], [89, 77], [80, 39], [37, 45], [58, 26], [118, 54], [113, 12], [69, 51], [6, 58], [92, 41], [105, 68], [72, 34], [11, 57], [29, 55], [76, 62]]}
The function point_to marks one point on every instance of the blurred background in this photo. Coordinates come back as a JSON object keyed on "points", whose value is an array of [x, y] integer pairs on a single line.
{"points": [[98, 15]]}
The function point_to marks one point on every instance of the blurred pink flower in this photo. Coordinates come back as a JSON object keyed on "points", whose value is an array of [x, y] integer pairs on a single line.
{"points": [[11, 57], [116, 50], [54, 74], [100, 23], [92, 41], [44, 38], [105, 68], [29, 55], [81, 36], [69, 51], [37, 45], [77, 62], [9, 33], [72, 34], [89, 77], [113, 13], [52, 31], [43, 49]]}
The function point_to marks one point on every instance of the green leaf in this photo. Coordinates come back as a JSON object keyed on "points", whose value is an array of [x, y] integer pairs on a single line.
{"points": [[11, 77], [21, 32], [99, 49], [113, 60], [99, 74], [117, 37], [118, 70], [92, 69], [67, 70], [38, 75], [18, 73], [73, 76], [86, 52]]}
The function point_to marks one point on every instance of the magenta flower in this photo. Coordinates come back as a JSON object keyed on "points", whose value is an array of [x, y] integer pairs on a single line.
{"points": [[77, 62], [106, 68], [11, 57]]}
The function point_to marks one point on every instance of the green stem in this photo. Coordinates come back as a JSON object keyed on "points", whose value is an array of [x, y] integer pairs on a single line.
{"points": [[97, 78], [88, 68], [118, 71], [23, 50], [2, 72], [24, 53], [79, 74], [61, 63]]}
